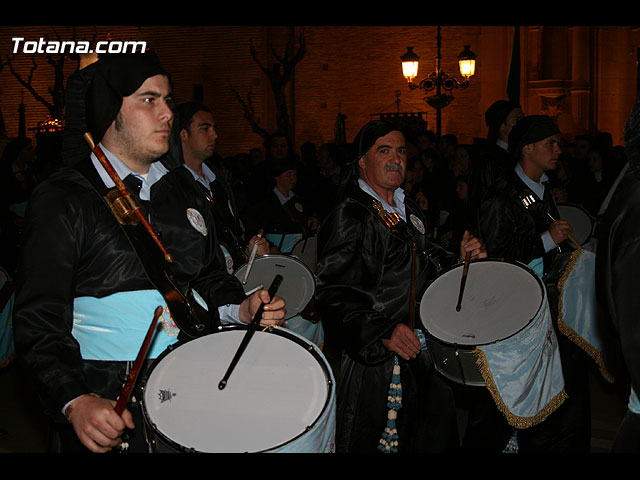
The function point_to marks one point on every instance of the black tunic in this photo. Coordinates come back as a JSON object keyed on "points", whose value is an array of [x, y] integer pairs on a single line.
{"points": [[74, 247], [364, 272], [617, 266]]}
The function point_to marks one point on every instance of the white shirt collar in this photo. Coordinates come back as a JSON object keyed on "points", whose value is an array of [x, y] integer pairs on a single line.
{"points": [[281, 197], [502, 144], [156, 171], [536, 187], [398, 199], [209, 176]]}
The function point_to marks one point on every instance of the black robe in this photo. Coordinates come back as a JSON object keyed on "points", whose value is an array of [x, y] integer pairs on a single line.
{"points": [[364, 272], [617, 267], [74, 247]]}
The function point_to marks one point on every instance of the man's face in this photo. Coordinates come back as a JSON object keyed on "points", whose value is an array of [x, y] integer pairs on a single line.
{"points": [[198, 143], [140, 132], [513, 117], [286, 181], [383, 167], [544, 154]]}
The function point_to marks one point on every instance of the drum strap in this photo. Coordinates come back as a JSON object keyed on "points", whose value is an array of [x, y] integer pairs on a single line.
{"points": [[191, 318]]}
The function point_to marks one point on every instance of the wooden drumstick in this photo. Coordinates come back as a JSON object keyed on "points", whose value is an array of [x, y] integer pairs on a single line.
{"points": [[529, 200], [463, 281], [569, 236], [122, 188], [250, 331], [123, 399], [254, 250]]}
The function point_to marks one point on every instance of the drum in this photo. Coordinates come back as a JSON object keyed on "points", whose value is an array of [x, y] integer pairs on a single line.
{"points": [[279, 398], [298, 284], [306, 250], [579, 219], [500, 299]]}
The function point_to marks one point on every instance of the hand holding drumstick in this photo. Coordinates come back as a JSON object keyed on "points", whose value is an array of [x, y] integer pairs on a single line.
{"points": [[470, 247]]}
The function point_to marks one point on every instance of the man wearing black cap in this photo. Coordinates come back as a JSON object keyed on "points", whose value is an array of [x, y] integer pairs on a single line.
{"points": [[516, 224], [365, 286], [87, 291], [284, 216], [494, 160]]}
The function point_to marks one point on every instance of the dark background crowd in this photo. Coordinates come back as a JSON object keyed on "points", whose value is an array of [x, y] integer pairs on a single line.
{"points": [[437, 177]]}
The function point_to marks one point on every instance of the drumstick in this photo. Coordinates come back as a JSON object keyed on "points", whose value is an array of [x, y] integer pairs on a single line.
{"points": [[463, 281], [123, 399], [571, 237], [252, 257], [251, 330], [529, 200]]}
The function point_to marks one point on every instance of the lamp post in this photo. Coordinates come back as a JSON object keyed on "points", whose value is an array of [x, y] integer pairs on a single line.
{"points": [[438, 79]]}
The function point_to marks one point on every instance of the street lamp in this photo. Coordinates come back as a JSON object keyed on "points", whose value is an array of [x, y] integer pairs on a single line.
{"points": [[438, 79]]}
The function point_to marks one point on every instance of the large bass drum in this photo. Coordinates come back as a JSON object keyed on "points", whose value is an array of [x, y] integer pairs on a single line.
{"points": [[279, 398], [500, 299]]}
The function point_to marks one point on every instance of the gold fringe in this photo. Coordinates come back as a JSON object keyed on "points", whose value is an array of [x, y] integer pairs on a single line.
{"points": [[514, 420], [569, 332]]}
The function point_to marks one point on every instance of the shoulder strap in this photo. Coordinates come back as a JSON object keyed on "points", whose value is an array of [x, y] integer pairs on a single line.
{"points": [[191, 318]]}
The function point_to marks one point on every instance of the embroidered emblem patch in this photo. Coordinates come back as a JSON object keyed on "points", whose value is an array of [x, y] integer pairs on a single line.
{"points": [[168, 323], [197, 221], [417, 223], [298, 207]]}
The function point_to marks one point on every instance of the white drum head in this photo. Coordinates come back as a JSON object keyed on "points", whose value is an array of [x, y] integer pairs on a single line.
{"points": [[298, 283], [579, 219], [500, 298], [276, 392]]}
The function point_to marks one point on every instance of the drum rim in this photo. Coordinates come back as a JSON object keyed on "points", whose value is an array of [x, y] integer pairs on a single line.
{"points": [[479, 260], [586, 212], [299, 340], [290, 257]]}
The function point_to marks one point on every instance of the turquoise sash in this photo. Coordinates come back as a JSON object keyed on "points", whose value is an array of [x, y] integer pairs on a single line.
{"points": [[578, 309], [288, 242], [114, 327], [634, 403]]}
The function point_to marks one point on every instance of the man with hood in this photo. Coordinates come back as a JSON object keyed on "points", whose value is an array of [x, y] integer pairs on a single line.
{"points": [[86, 290], [365, 257]]}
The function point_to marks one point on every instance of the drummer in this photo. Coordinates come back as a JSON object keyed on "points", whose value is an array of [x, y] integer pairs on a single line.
{"points": [[196, 129], [80, 308], [528, 235], [364, 287], [285, 216]]}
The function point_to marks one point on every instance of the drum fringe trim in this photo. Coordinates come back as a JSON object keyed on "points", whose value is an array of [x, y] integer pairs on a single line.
{"points": [[570, 333], [515, 420]]}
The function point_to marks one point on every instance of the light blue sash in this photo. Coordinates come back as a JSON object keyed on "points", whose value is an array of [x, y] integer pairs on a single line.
{"points": [[634, 402], [524, 373], [537, 265], [578, 309], [320, 438], [290, 239], [114, 327], [313, 332]]}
